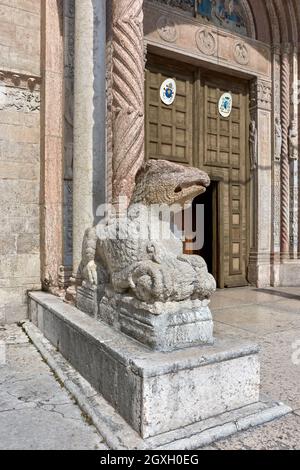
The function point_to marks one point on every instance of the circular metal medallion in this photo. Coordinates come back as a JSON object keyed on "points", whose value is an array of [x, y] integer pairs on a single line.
{"points": [[225, 105], [168, 91]]}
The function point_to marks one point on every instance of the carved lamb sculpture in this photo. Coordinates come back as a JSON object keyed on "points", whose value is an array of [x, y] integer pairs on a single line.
{"points": [[124, 253]]}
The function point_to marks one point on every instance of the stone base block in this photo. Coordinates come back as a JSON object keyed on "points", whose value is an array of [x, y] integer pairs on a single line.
{"points": [[120, 436], [290, 273], [161, 326], [154, 392], [87, 300]]}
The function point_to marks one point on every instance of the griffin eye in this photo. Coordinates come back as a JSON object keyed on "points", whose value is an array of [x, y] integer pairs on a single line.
{"points": [[178, 189]]}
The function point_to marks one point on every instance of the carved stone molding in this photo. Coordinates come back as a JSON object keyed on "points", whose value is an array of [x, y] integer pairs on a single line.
{"points": [[64, 277], [167, 29], [127, 94], [15, 80], [241, 53], [206, 42]]}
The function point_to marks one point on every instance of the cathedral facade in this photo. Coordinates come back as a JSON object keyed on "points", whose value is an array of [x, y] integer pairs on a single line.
{"points": [[82, 106]]}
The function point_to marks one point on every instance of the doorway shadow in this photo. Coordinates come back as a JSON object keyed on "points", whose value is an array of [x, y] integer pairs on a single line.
{"points": [[285, 295]]}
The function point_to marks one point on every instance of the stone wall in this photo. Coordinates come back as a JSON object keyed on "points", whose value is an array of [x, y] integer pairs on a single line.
{"points": [[19, 155]]}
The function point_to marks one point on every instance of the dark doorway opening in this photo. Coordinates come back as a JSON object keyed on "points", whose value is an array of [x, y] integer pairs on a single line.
{"points": [[210, 234]]}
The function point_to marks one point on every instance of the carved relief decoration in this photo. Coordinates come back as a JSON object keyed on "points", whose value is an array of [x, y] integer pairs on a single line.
{"points": [[167, 29], [19, 100], [68, 223], [241, 53], [206, 42], [261, 94]]}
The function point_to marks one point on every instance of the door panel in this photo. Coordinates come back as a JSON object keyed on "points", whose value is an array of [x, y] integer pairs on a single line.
{"points": [[191, 131], [169, 129]]}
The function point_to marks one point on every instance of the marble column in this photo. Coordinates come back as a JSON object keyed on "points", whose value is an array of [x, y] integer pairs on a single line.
{"points": [[293, 155], [51, 144], [127, 107], [285, 168], [89, 166], [277, 144]]}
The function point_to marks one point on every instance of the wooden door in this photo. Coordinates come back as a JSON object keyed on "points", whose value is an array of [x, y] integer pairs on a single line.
{"points": [[223, 154], [192, 132]]}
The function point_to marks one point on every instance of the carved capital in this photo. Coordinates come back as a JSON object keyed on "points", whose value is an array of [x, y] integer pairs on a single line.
{"points": [[276, 49], [286, 48], [261, 94]]}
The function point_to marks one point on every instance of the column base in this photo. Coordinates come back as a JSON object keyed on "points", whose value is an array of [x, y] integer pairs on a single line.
{"points": [[259, 270], [290, 273]]}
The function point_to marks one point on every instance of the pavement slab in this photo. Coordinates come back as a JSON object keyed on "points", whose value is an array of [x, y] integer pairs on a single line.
{"points": [[35, 411]]}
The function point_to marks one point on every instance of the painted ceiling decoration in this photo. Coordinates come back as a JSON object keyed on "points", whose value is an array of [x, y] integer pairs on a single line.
{"points": [[228, 14]]}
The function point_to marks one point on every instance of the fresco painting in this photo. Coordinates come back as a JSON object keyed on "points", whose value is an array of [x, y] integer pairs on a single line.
{"points": [[223, 13]]}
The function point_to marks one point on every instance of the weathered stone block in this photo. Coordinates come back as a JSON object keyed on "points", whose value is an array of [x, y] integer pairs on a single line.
{"points": [[160, 326], [154, 392], [28, 243], [13, 313], [87, 300], [7, 245]]}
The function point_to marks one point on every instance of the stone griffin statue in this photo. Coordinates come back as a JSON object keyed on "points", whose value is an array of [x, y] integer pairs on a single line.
{"points": [[124, 254]]}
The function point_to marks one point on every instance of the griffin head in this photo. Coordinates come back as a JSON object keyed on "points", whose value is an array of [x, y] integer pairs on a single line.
{"points": [[164, 182]]}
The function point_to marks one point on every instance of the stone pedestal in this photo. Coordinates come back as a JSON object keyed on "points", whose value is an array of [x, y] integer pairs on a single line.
{"points": [[161, 394], [87, 300], [161, 327]]}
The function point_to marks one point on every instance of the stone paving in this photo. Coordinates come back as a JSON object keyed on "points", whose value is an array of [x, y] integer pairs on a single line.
{"points": [[271, 317], [36, 413]]}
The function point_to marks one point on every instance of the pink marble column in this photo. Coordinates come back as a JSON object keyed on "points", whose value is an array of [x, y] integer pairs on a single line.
{"points": [[285, 167], [127, 94], [51, 143]]}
